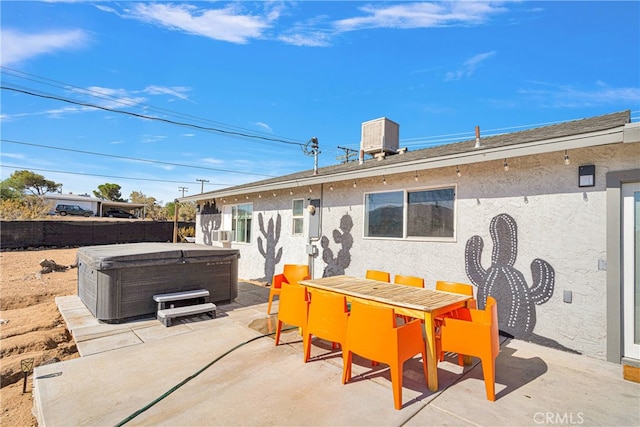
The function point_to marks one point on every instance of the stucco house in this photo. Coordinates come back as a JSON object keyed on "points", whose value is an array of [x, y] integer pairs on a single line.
{"points": [[543, 220]]}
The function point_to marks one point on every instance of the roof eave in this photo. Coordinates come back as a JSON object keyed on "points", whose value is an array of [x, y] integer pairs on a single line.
{"points": [[482, 154]]}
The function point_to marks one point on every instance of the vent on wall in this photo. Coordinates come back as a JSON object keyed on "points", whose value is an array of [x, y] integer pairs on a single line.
{"points": [[380, 136]]}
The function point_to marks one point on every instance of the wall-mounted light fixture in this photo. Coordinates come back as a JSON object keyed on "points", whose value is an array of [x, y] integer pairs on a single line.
{"points": [[566, 158], [587, 176], [506, 165]]}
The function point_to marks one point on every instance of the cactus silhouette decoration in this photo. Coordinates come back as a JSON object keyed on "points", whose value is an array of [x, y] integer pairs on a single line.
{"points": [[515, 299], [336, 266], [271, 235]]}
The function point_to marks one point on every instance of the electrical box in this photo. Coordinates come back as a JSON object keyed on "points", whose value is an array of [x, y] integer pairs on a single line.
{"points": [[314, 219]]}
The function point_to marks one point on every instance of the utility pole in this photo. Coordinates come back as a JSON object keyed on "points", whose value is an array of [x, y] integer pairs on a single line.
{"points": [[183, 189], [348, 153], [202, 184]]}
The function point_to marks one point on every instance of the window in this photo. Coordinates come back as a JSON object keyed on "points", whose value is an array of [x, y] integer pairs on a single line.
{"points": [[428, 213], [298, 219], [241, 216]]}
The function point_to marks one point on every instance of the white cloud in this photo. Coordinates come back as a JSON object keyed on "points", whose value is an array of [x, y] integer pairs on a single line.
{"points": [[469, 66], [18, 46], [567, 96], [421, 15], [226, 24], [177, 91], [264, 126], [212, 161]]}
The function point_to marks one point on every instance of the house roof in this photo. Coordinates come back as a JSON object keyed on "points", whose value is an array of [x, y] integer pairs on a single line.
{"points": [[599, 130]]}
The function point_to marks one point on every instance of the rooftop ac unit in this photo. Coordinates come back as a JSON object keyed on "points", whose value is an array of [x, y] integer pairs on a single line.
{"points": [[380, 136], [221, 235]]}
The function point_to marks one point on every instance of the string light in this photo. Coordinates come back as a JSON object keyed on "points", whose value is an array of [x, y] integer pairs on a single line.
{"points": [[458, 173], [506, 165], [310, 190], [291, 192], [416, 177], [384, 180], [354, 184], [566, 158], [331, 186], [274, 194]]}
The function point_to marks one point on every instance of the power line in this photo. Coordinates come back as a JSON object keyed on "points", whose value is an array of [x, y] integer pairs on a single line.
{"points": [[143, 116], [132, 158], [123, 101], [103, 176]]}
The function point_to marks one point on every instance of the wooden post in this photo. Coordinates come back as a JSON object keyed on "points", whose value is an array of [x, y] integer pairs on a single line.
{"points": [[175, 220]]}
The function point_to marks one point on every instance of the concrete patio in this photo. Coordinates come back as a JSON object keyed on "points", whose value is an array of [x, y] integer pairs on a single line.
{"points": [[225, 372]]}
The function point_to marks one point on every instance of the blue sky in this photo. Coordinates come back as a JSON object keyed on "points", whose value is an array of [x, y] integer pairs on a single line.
{"points": [[229, 92]]}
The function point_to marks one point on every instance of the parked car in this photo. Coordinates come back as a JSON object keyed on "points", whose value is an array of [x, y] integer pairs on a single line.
{"points": [[73, 210], [118, 213]]}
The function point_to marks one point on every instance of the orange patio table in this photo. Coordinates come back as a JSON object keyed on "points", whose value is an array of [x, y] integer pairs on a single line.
{"points": [[411, 301]]}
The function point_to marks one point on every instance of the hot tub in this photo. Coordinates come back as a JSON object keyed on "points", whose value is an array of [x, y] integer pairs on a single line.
{"points": [[118, 282]]}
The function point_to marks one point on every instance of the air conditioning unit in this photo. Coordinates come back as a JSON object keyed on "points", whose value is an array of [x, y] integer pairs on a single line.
{"points": [[221, 235], [380, 136]]}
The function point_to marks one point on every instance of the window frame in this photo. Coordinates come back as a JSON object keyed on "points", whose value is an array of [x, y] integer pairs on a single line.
{"points": [[297, 218], [234, 222], [405, 214]]}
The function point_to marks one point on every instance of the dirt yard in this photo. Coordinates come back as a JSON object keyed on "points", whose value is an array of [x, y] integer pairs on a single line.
{"points": [[30, 324]]}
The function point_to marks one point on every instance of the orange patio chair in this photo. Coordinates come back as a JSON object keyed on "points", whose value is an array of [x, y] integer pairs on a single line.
{"points": [[417, 282], [294, 308], [381, 276], [291, 273], [372, 333], [475, 335], [456, 288], [327, 319]]}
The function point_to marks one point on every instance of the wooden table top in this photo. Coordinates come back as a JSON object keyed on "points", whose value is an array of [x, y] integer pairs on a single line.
{"points": [[412, 297]]}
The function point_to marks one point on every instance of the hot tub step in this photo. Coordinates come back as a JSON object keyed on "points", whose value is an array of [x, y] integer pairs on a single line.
{"points": [[168, 314]]}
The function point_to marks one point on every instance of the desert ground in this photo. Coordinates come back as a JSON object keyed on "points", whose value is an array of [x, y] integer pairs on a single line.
{"points": [[30, 324]]}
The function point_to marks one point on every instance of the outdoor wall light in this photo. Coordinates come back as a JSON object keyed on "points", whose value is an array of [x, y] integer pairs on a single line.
{"points": [[587, 176], [566, 158], [506, 165], [458, 173]]}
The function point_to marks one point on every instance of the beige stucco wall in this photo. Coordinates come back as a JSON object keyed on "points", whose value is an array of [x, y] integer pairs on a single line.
{"points": [[557, 222]]}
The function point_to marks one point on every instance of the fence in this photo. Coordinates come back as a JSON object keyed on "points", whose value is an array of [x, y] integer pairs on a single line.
{"points": [[24, 234]]}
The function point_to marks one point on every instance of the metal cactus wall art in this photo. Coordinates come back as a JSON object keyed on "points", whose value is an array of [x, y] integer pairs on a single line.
{"points": [[336, 266], [271, 236], [515, 299]]}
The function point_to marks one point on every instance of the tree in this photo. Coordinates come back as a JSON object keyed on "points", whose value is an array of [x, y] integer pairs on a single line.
{"points": [[22, 181], [153, 210], [109, 192], [186, 211]]}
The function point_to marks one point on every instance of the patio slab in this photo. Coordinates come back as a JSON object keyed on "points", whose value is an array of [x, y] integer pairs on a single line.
{"points": [[225, 372]]}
